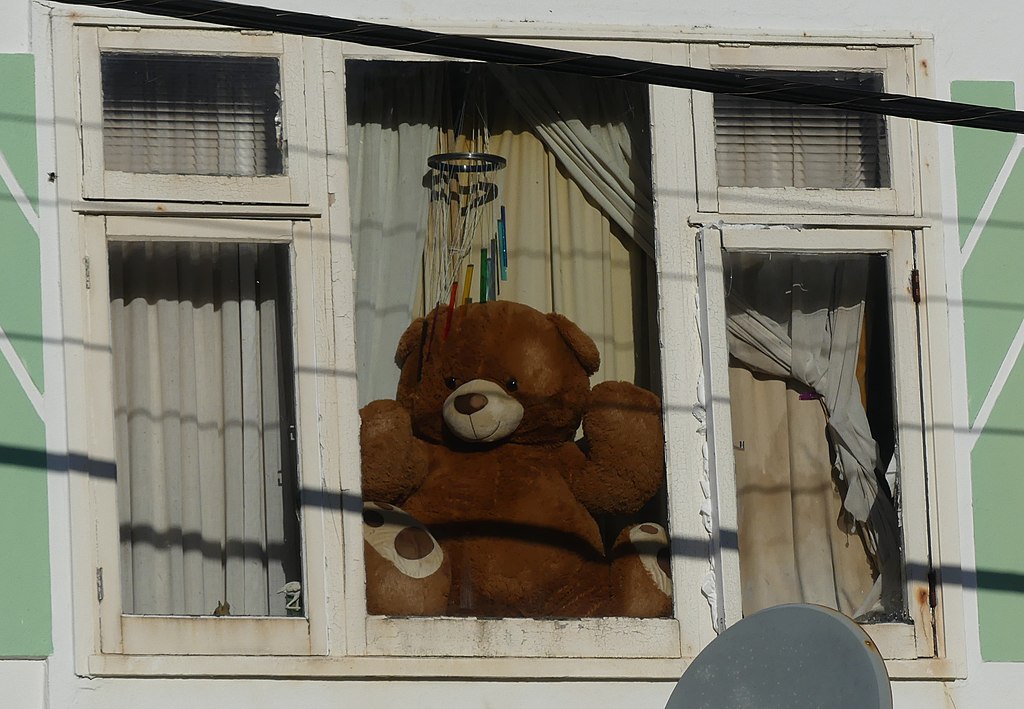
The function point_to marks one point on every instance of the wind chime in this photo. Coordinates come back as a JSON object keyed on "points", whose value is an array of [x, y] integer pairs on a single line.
{"points": [[465, 215]]}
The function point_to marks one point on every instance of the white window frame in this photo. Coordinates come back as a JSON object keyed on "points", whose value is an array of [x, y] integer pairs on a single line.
{"points": [[895, 64], [513, 637], [344, 640], [101, 183], [122, 633], [894, 640]]}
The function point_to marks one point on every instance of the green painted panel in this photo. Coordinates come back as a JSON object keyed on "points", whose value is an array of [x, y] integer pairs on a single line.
{"points": [[993, 297], [18, 121], [25, 623], [24, 555], [979, 153], [998, 497], [20, 292], [21, 307]]}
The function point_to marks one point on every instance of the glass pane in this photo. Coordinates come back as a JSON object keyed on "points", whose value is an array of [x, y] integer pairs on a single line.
{"points": [[573, 204], [814, 436], [763, 143], [206, 471], [191, 115]]}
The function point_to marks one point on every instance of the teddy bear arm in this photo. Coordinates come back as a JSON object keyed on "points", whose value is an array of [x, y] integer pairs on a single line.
{"points": [[394, 461], [624, 446]]}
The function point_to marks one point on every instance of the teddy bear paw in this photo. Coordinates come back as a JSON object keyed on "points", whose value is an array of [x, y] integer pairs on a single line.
{"points": [[407, 571], [641, 571]]}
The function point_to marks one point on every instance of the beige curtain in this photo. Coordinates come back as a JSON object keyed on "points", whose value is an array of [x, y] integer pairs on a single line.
{"points": [[566, 256], [795, 544], [801, 317], [577, 197], [202, 385]]}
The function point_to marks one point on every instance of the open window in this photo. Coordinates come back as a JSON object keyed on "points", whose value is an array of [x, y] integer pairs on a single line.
{"points": [[575, 191], [821, 471]]}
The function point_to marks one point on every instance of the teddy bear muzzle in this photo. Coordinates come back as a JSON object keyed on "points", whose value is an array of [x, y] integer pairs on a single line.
{"points": [[481, 411]]}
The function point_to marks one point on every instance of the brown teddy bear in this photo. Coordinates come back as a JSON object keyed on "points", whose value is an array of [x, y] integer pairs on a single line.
{"points": [[481, 503]]}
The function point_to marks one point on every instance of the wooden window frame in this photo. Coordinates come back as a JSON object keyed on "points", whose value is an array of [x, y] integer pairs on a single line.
{"points": [[894, 63], [344, 640], [292, 187]]}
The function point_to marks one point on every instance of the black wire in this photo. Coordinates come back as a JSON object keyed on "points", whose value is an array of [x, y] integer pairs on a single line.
{"points": [[488, 50]]}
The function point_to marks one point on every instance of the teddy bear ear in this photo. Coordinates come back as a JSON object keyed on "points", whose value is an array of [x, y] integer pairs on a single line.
{"points": [[411, 340], [580, 343], [415, 337]]}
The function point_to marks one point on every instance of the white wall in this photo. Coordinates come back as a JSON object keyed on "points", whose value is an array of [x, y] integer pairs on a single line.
{"points": [[14, 27], [976, 40]]}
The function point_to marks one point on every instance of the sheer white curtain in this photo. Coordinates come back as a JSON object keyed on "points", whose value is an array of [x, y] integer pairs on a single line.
{"points": [[394, 114], [202, 387], [802, 317]]}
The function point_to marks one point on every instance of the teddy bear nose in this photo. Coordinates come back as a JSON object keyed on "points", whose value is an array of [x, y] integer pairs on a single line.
{"points": [[470, 403]]}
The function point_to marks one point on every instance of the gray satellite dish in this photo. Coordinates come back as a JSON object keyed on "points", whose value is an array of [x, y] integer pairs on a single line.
{"points": [[794, 656]]}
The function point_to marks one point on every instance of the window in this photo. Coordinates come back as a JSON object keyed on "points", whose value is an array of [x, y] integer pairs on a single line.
{"points": [[757, 157], [574, 188], [279, 189], [204, 419], [198, 401], [199, 116], [762, 143], [824, 468], [201, 379]]}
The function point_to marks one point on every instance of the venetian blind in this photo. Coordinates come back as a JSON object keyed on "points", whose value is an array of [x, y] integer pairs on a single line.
{"points": [[763, 143], [191, 114]]}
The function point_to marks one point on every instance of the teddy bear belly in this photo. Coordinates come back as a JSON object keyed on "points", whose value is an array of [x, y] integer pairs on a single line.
{"points": [[518, 540]]}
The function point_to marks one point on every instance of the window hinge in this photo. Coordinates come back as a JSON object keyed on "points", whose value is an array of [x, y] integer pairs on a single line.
{"points": [[738, 45], [88, 276], [124, 28], [99, 583], [862, 47], [932, 585], [257, 33], [915, 285]]}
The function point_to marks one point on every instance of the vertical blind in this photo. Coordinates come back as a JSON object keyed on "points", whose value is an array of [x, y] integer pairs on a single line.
{"points": [[761, 143], [206, 482], [191, 114]]}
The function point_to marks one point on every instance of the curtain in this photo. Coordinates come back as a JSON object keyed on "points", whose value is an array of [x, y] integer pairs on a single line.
{"points": [[576, 191], [567, 255], [202, 385], [394, 114], [595, 131], [802, 317], [789, 501]]}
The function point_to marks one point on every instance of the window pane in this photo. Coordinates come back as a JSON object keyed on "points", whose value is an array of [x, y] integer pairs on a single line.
{"points": [[203, 418], [576, 195], [191, 115], [814, 440], [762, 143]]}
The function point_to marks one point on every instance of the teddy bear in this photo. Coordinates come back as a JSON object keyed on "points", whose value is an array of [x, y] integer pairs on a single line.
{"points": [[479, 499]]}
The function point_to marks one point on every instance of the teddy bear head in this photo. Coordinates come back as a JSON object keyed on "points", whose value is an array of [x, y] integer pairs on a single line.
{"points": [[487, 373]]}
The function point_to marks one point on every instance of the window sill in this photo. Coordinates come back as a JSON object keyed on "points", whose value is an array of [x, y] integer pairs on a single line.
{"points": [[448, 668]]}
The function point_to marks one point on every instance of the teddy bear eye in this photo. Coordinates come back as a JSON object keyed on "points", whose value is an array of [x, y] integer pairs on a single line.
{"points": [[450, 382], [512, 384]]}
